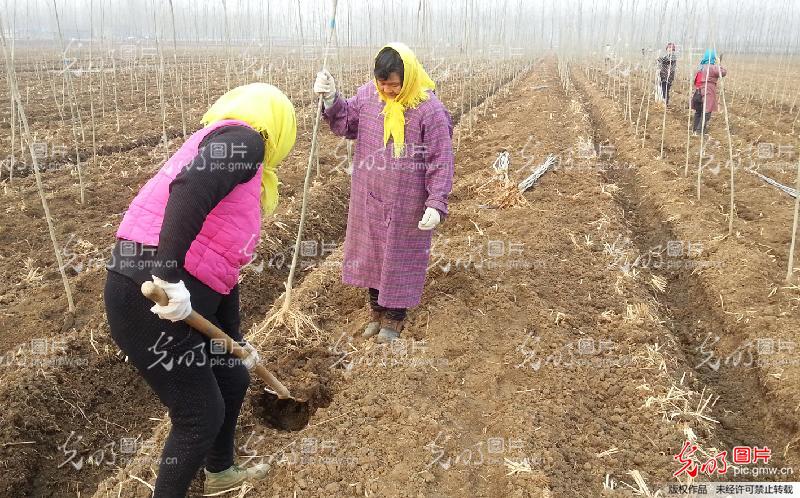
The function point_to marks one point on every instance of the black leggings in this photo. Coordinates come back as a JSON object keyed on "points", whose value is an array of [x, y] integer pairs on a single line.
{"points": [[390, 313], [665, 86], [698, 120], [203, 391]]}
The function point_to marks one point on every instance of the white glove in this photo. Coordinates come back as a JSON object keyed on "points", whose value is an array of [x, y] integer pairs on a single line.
{"points": [[179, 306], [253, 358], [325, 86], [430, 219]]}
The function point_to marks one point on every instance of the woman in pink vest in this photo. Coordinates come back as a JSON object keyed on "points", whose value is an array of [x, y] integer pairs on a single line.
{"points": [[191, 228]]}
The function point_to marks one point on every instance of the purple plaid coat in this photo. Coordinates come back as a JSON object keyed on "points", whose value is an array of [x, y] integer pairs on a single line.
{"points": [[384, 249]]}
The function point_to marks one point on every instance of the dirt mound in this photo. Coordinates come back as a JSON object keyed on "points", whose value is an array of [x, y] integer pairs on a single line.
{"points": [[62, 430]]}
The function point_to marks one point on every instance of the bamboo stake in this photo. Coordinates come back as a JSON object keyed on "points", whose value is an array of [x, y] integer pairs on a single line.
{"points": [[732, 166], [641, 105], [160, 85], [74, 107], [790, 268], [646, 116], [91, 88], [227, 47], [629, 99], [702, 131], [39, 185], [689, 121], [59, 105], [116, 103], [102, 66], [13, 111], [178, 79], [295, 320]]}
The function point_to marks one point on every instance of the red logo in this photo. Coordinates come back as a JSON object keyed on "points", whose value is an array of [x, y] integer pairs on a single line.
{"points": [[717, 464]]}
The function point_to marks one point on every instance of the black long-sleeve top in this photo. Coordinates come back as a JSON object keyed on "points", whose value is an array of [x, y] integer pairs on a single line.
{"points": [[667, 66], [226, 157]]}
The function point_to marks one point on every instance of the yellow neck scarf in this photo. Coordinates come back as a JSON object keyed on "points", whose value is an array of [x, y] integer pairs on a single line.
{"points": [[416, 83], [269, 112]]}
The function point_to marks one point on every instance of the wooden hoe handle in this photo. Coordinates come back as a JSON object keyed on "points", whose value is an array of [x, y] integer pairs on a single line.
{"points": [[208, 329]]}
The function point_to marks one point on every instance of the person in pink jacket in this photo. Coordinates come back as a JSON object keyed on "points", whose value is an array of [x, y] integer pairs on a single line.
{"points": [[704, 100], [191, 228]]}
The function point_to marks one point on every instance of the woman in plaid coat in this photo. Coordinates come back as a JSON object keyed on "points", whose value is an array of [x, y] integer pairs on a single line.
{"points": [[402, 175]]}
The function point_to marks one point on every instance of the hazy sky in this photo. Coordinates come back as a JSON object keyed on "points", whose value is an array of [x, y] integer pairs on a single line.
{"points": [[743, 25]]}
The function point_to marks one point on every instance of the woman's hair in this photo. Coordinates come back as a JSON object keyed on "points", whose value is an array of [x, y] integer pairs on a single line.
{"points": [[388, 61]]}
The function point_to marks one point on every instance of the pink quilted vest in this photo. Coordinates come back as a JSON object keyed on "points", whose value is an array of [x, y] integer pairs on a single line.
{"points": [[230, 233]]}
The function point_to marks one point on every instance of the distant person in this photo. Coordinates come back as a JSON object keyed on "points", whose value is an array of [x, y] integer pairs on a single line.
{"points": [[704, 100], [402, 176], [666, 71], [608, 56]]}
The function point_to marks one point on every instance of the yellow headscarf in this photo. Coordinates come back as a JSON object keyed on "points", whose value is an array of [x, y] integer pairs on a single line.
{"points": [[269, 112], [416, 83]]}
